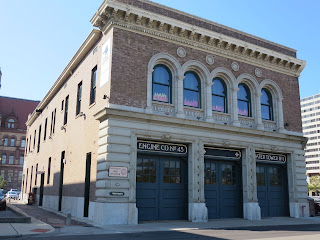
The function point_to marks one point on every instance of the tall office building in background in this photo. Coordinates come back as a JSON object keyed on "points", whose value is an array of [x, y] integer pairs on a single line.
{"points": [[310, 113]]}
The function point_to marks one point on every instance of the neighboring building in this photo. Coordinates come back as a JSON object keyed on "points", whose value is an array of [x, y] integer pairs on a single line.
{"points": [[164, 115], [0, 77], [310, 113], [13, 116]]}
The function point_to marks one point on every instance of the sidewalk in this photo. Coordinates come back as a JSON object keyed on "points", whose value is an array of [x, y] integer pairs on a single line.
{"points": [[23, 229], [59, 228]]}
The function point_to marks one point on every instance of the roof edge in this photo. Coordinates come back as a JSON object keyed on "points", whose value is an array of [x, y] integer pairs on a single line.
{"points": [[67, 71], [215, 23]]}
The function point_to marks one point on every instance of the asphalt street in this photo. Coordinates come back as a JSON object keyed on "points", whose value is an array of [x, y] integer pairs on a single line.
{"points": [[292, 232]]}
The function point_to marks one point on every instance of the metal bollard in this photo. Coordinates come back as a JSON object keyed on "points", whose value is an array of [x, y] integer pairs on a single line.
{"points": [[68, 220]]}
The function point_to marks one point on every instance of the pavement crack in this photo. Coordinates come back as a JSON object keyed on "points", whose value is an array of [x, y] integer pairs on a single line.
{"points": [[14, 229]]}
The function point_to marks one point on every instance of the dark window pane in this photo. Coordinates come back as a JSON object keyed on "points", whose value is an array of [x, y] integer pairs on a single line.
{"points": [[261, 176], [161, 84], [161, 75], [218, 88], [265, 112], [145, 178], [172, 179], [191, 98], [218, 103], [139, 178], [266, 105], [145, 170], [160, 93], [264, 97], [171, 171], [210, 172], [244, 101], [178, 180], [242, 93], [228, 174], [275, 176], [191, 82], [243, 108], [152, 179], [166, 179], [172, 164]]}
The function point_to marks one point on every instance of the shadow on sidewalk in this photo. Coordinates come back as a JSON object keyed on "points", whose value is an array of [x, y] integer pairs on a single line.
{"points": [[51, 218]]}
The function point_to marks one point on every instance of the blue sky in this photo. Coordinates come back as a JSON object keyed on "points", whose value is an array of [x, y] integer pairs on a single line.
{"points": [[38, 38]]}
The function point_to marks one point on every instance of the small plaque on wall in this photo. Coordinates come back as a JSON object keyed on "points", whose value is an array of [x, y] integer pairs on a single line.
{"points": [[116, 193], [118, 172]]}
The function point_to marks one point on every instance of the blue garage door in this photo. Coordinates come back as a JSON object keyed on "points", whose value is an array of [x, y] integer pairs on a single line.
{"points": [[223, 189], [272, 190], [162, 189]]}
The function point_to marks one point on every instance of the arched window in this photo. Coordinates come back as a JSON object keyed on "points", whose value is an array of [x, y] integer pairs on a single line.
{"points": [[219, 96], [266, 105], [11, 123], [161, 84], [11, 159], [23, 143], [4, 158], [191, 90], [244, 101], [12, 142], [5, 141]]}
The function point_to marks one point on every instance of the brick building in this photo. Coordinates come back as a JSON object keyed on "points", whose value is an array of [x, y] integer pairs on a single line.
{"points": [[164, 115], [13, 116]]}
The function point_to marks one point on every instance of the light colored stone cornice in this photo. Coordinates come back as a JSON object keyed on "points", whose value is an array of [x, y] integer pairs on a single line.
{"points": [[113, 13], [140, 116], [76, 59]]}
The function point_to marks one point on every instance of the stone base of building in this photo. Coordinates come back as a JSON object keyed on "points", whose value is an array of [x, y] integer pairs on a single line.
{"points": [[115, 213], [298, 210], [251, 211], [198, 212]]}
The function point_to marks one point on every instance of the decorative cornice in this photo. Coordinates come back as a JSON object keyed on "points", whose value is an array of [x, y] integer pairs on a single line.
{"points": [[113, 13]]}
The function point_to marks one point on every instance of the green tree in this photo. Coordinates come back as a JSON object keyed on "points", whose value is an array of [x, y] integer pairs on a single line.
{"points": [[314, 183], [3, 182]]}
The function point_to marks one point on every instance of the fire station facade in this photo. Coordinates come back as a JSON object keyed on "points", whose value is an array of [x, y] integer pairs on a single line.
{"points": [[162, 115]]}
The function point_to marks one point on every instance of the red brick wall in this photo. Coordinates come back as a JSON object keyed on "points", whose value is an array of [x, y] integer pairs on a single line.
{"points": [[132, 52]]}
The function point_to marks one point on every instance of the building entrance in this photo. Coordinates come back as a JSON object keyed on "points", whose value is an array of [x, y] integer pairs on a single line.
{"points": [[162, 187], [272, 186], [223, 183]]}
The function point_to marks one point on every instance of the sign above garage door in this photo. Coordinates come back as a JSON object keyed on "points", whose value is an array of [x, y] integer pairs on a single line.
{"points": [[231, 154], [150, 146], [270, 157]]}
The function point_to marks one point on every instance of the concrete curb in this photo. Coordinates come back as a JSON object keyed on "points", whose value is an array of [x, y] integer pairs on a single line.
{"points": [[33, 223], [23, 219]]}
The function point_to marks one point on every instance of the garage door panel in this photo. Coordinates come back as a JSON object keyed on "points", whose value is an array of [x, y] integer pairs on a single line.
{"points": [[231, 212], [162, 192], [147, 193], [223, 189], [148, 214], [272, 190], [262, 194], [211, 194], [172, 213], [228, 194]]}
